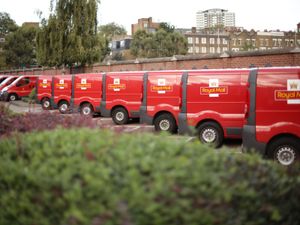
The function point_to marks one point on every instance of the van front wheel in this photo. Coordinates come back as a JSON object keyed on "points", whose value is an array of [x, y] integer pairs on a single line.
{"points": [[63, 107], [120, 116], [12, 97], [46, 105], [285, 150], [211, 133], [165, 122], [86, 110]]}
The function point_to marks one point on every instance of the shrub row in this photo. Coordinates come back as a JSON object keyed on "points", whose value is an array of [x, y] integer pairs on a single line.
{"points": [[97, 177], [39, 121]]}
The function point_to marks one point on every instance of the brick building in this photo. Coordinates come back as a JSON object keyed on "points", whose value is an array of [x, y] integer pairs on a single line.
{"points": [[144, 24], [208, 41]]}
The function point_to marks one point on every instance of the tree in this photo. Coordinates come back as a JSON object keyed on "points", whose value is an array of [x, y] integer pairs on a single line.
{"points": [[7, 25], [70, 35], [165, 42], [19, 47], [112, 29]]}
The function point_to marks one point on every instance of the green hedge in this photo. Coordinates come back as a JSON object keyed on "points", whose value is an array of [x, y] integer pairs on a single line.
{"points": [[96, 177]]}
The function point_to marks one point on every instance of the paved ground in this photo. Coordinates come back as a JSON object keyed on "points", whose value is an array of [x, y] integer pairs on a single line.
{"points": [[133, 126]]}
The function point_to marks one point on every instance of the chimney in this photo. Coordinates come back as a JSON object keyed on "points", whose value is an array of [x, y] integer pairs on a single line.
{"points": [[194, 30]]}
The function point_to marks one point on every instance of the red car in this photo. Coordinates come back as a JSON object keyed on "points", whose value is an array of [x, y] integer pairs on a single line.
{"points": [[122, 95], [62, 91], [273, 120], [20, 87], [44, 91], [87, 93], [161, 100], [214, 104]]}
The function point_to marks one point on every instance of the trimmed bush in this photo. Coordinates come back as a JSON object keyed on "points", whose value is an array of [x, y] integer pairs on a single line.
{"points": [[39, 121], [96, 177]]}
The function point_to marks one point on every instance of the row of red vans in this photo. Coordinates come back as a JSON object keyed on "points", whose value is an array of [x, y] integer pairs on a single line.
{"points": [[262, 105], [15, 87]]}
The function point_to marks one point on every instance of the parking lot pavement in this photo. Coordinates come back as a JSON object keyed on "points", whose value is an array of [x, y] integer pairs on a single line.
{"points": [[132, 127]]}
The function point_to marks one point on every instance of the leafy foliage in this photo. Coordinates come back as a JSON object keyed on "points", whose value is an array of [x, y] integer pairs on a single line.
{"points": [[164, 42], [112, 29], [37, 122], [7, 25], [87, 176], [19, 48], [70, 34]]}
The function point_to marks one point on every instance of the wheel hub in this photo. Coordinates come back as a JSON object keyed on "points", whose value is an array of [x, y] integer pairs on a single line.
{"points": [[286, 155], [64, 107], [86, 111], [209, 135], [120, 116], [46, 104], [164, 125]]}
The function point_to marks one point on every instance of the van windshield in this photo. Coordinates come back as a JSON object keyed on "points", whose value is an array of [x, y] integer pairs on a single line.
{"points": [[8, 81]]}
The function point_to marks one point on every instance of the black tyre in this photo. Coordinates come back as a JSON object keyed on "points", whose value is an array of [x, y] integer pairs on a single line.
{"points": [[12, 97], [86, 109], [120, 116], [64, 107], [165, 122], [211, 133], [284, 150], [46, 104]]}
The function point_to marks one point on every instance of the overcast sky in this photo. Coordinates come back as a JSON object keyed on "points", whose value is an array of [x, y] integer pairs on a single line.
{"points": [[256, 14]]}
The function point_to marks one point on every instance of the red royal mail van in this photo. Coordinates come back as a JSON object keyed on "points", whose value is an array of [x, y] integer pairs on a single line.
{"points": [[44, 91], [3, 77], [21, 87], [7, 82], [87, 93], [273, 121], [214, 104], [122, 95], [161, 99], [62, 91]]}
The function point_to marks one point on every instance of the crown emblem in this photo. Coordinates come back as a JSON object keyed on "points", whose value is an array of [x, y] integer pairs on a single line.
{"points": [[293, 85]]}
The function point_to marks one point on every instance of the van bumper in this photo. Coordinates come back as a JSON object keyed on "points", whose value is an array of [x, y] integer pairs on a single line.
{"points": [[144, 118], [4, 96], [103, 111], [183, 127], [249, 141]]}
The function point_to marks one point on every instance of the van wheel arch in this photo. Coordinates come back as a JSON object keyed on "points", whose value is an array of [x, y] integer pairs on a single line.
{"points": [[207, 129], [287, 144], [167, 118]]}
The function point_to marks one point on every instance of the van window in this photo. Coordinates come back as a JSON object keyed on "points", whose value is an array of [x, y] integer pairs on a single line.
{"points": [[23, 82]]}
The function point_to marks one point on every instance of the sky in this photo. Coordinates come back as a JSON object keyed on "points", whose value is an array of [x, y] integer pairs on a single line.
{"points": [[254, 14]]}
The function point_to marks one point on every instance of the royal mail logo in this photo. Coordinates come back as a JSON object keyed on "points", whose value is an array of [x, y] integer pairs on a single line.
{"points": [[43, 85], [116, 86], [287, 95], [83, 86], [213, 90], [291, 95], [61, 86], [156, 88]]}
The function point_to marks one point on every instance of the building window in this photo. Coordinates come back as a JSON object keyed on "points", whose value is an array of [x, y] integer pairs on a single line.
{"points": [[239, 42], [203, 40], [190, 50], [234, 41], [287, 43], [262, 42], [225, 42], [197, 40], [190, 40], [279, 42], [275, 44], [267, 42], [145, 25], [218, 50], [253, 42], [212, 50], [203, 49], [225, 49], [211, 40], [292, 42], [197, 49]]}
